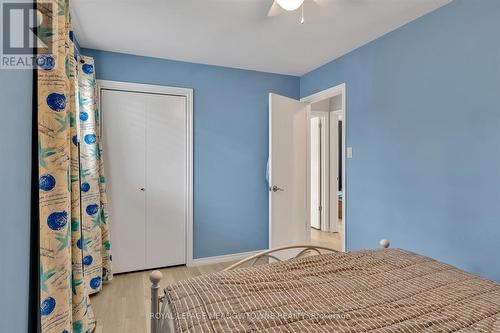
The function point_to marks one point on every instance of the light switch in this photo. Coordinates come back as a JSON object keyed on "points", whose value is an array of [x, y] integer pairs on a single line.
{"points": [[349, 152]]}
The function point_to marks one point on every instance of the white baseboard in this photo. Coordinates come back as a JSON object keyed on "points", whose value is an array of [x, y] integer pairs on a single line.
{"points": [[223, 258]]}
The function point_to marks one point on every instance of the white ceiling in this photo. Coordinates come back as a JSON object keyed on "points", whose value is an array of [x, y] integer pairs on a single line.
{"points": [[237, 33]]}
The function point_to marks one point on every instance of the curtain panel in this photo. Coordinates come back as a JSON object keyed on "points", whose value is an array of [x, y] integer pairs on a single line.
{"points": [[68, 228], [96, 250]]}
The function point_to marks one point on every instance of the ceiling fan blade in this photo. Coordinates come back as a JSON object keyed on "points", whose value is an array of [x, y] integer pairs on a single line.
{"points": [[323, 3], [275, 9]]}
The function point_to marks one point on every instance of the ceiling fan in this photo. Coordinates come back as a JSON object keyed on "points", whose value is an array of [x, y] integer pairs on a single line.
{"points": [[279, 6]]}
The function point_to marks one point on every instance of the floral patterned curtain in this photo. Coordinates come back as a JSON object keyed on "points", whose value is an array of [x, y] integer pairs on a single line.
{"points": [[64, 235]]}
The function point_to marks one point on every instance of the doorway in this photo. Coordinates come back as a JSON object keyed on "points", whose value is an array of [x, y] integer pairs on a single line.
{"points": [[325, 176], [326, 160]]}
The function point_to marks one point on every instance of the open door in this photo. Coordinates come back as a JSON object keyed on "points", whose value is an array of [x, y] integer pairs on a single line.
{"points": [[288, 171], [335, 158], [315, 173]]}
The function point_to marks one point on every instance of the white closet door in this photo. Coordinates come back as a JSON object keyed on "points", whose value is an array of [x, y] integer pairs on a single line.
{"points": [[166, 180], [124, 142]]}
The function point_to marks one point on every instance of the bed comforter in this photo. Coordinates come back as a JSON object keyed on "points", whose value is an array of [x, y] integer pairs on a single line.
{"points": [[388, 290]]}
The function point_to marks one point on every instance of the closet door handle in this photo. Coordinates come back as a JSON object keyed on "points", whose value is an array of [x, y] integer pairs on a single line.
{"points": [[142, 189]]}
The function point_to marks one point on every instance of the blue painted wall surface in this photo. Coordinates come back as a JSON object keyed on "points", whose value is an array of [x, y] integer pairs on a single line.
{"points": [[423, 114], [230, 143], [15, 168]]}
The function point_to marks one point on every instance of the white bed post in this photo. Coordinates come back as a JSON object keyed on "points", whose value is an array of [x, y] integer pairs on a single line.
{"points": [[384, 243], [155, 279]]}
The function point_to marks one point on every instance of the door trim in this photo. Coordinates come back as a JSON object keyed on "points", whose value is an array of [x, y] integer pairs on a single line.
{"points": [[175, 91], [340, 89]]}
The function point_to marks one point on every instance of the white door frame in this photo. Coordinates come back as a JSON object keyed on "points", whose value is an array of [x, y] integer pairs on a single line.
{"points": [[175, 91], [317, 97]]}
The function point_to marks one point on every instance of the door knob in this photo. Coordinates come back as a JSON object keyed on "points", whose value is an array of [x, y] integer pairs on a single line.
{"points": [[142, 189], [276, 189]]}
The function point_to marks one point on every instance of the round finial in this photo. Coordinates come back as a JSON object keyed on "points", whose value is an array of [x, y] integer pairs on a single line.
{"points": [[384, 243], [155, 277]]}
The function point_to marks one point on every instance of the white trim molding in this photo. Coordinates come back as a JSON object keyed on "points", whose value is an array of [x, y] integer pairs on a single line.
{"points": [[223, 258], [327, 93], [145, 88], [340, 89], [176, 91]]}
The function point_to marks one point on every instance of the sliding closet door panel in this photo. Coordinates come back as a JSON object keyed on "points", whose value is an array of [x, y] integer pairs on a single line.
{"points": [[124, 138], [166, 174]]}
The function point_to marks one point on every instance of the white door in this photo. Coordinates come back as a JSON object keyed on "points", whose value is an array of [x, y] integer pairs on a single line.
{"points": [[315, 171], [145, 142], [124, 140], [288, 211], [334, 172], [166, 174]]}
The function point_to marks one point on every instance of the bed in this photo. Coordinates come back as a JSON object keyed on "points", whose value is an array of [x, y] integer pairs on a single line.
{"points": [[382, 290]]}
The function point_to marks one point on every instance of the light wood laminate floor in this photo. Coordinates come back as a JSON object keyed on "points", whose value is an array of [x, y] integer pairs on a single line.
{"points": [[123, 306], [328, 239]]}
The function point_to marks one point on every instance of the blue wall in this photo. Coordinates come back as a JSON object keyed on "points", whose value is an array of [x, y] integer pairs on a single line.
{"points": [[230, 143], [423, 117], [15, 168]]}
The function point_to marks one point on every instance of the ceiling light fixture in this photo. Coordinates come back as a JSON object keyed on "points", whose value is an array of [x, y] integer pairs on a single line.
{"points": [[290, 4], [279, 6]]}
